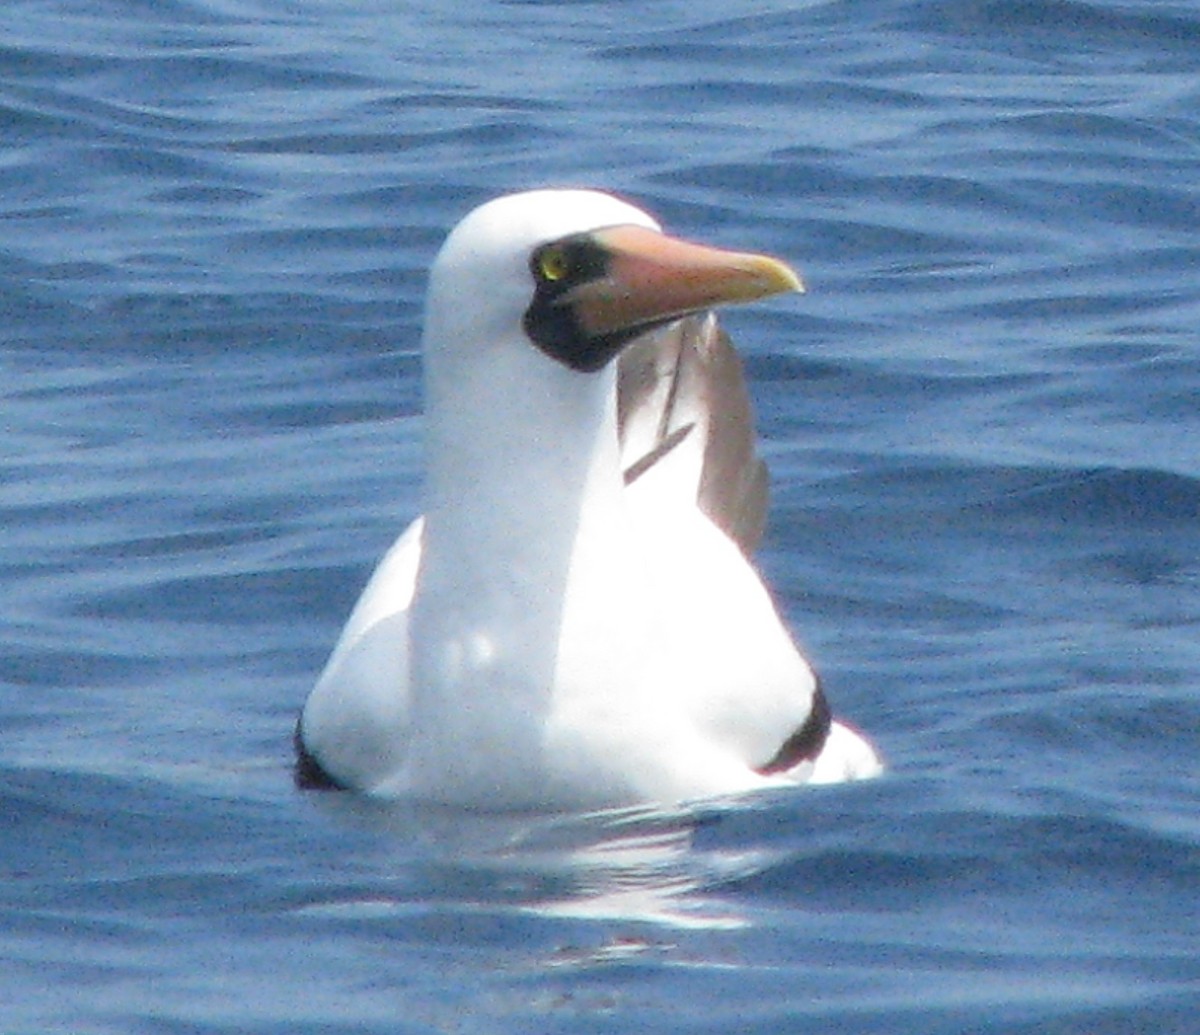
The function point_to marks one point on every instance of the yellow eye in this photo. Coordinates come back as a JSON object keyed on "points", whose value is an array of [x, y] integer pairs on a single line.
{"points": [[554, 264]]}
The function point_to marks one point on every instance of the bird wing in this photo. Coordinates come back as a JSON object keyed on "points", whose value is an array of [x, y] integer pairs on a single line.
{"points": [[354, 726], [685, 417]]}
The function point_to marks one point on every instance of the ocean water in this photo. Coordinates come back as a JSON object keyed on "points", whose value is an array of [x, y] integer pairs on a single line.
{"points": [[983, 424]]}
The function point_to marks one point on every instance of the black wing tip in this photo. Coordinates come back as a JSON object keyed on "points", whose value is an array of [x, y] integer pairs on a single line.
{"points": [[807, 742], [308, 774]]}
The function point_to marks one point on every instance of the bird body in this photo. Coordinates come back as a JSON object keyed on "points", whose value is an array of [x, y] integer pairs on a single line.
{"points": [[574, 620]]}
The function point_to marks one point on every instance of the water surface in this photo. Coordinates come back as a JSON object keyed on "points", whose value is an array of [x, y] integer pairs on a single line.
{"points": [[981, 421]]}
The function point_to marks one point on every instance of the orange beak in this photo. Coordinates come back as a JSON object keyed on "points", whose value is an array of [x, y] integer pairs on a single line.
{"points": [[652, 277]]}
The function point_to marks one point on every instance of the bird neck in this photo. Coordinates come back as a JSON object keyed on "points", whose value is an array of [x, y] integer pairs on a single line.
{"points": [[521, 454], [524, 477]]}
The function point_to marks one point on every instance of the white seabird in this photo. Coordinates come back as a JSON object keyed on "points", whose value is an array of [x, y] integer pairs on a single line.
{"points": [[574, 621]]}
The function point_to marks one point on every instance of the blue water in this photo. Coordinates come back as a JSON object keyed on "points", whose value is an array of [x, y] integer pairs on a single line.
{"points": [[983, 425]]}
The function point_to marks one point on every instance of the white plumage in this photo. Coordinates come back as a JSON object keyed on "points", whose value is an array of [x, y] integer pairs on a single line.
{"points": [[574, 621]]}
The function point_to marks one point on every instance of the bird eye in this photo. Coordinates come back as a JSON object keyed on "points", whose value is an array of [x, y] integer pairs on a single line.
{"points": [[553, 263]]}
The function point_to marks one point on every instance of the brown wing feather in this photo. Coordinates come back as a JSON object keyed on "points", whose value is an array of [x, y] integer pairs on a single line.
{"points": [[683, 387]]}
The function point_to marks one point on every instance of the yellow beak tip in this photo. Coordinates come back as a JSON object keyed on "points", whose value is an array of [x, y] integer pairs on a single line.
{"points": [[779, 277]]}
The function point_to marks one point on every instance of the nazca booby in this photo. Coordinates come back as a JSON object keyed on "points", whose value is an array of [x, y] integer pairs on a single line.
{"points": [[574, 621]]}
